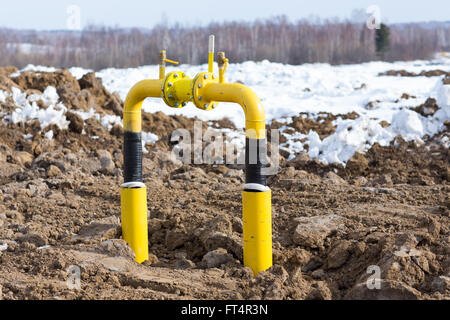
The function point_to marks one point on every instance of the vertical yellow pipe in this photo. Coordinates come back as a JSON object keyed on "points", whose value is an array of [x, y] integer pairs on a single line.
{"points": [[221, 75], [257, 230], [134, 220], [162, 64], [133, 193], [256, 197]]}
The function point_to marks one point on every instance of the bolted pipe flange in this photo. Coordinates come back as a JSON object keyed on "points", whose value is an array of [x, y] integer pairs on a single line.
{"points": [[200, 81], [176, 90]]}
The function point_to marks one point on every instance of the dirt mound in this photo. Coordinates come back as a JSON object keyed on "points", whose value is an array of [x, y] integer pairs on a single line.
{"points": [[163, 125], [404, 73], [410, 163], [446, 80], [84, 94], [407, 96], [8, 70], [333, 227], [41, 80], [6, 83], [101, 97], [399, 163], [323, 124], [428, 108]]}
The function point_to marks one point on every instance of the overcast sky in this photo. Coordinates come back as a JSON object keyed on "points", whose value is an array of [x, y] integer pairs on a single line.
{"points": [[51, 14]]}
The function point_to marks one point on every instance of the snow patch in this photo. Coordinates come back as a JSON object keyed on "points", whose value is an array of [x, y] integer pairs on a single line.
{"points": [[408, 124], [109, 121], [3, 96], [34, 68], [3, 247], [49, 134], [148, 137], [287, 91], [27, 108]]}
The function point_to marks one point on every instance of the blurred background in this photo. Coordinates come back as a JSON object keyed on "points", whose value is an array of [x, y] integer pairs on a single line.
{"points": [[121, 34]]}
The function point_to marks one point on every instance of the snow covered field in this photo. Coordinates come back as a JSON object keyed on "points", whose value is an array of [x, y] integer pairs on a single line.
{"points": [[286, 91]]}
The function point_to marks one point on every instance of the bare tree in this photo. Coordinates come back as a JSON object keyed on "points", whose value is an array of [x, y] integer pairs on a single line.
{"points": [[276, 39]]}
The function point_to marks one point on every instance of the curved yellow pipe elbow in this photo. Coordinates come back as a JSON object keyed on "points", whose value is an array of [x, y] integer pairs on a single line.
{"points": [[133, 103], [255, 121]]}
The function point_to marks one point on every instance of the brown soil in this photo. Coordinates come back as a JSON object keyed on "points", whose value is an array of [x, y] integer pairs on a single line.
{"points": [[8, 70], [83, 94], [446, 80], [322, 125], [428, 108], [60, 206], [404, 73]]}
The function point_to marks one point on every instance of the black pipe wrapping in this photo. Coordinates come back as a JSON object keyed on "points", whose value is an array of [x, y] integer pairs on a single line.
{"points": [[132, 157], [255, 152]]}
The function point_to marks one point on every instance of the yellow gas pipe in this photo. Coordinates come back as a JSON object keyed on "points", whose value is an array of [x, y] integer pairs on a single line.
{"points": [[133, 191], [205, 91]]}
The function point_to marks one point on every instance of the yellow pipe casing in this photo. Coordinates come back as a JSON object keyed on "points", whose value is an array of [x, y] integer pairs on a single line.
{"points": [[134, 220], [134, 200], [221, 75], [211, 62], [211, 54], [256, 206], [257, 230], [183, 90], [132, 116], [255, 123]]}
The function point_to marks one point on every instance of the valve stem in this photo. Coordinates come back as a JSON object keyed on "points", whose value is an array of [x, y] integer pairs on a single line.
{"points": [[211, 54], [162, 64], [223, 63]]}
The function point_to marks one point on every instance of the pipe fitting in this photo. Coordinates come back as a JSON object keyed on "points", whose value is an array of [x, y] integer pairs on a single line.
{"points": [[200, 82], [221, 59], [177, 89]]}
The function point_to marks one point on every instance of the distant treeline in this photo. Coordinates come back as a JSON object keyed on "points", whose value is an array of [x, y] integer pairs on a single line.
{"points": [[277, 40]]}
